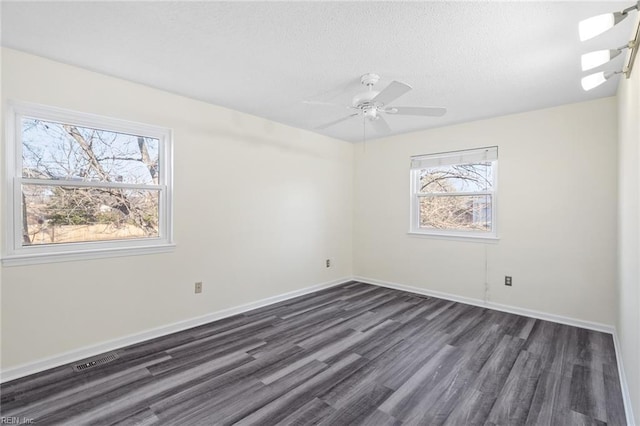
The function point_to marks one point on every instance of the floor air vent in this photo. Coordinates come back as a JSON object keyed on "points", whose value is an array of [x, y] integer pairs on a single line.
{"points": [[95, 361]]}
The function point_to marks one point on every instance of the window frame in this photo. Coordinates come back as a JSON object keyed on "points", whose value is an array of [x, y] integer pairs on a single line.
{"points": [[14, 253], [414, 202]]}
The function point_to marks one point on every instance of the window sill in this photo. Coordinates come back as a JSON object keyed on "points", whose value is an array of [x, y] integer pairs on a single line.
{"points": [[456, 237], [70, 256]]}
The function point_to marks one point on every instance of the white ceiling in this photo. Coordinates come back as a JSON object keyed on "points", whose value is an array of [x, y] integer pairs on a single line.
{"points": [[479, 59]]}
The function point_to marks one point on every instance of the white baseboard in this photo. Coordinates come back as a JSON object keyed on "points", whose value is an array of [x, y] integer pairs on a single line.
{"points": [[626, 397], [492, 305], [89, 351]]}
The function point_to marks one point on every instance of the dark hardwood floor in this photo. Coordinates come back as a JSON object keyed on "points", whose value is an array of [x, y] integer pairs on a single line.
{"points": [[352, 354]]}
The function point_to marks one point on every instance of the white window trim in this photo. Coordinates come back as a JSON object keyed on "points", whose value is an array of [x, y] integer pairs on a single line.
{"points": [[414, 204], [14, 254]]}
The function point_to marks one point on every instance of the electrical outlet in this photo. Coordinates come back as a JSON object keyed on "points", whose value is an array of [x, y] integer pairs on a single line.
{"points": [[328, 263], [198, 287], [507, 280]]}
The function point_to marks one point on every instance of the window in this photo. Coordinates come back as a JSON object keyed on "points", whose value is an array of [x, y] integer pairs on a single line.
{"points": [[83, 186], [454, 193]]}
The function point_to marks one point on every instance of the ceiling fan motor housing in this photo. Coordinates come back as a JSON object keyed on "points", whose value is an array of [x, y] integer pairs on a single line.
{"points": [[363, 100], [369, 79]]}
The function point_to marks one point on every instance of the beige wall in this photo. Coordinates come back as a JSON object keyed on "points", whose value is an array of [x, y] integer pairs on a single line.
{"points": [[556, 213], [628, 325], [259, 206]]}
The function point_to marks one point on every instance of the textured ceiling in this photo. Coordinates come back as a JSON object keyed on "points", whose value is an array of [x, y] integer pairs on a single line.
{"points": [[479, 59]]}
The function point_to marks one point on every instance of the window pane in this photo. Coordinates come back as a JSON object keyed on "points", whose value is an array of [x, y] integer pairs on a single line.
{"points": [[62, 151], [57, 214], [464, 213], [457, 178]]}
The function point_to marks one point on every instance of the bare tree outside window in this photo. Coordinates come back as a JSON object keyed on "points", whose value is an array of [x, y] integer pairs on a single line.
{"points": [[454, 192], [82, 184], [447, 205]]}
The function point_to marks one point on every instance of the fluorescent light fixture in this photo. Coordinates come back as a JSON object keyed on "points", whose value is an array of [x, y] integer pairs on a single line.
{"points": [[594, 80]]}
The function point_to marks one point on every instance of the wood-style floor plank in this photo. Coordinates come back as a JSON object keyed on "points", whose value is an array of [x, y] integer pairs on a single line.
{"points": [[352, 354]]}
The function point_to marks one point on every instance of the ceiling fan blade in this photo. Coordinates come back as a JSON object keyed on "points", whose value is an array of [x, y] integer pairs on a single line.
{"points": [[331, 123], [392, 92], [426, 111], [380, 125]]}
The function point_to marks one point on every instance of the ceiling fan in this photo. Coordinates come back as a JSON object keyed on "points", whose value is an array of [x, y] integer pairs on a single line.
{"points": [[373, 105]]}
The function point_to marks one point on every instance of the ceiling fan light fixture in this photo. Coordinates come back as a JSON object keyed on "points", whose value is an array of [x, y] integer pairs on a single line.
{"points": [[370, 113]]}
